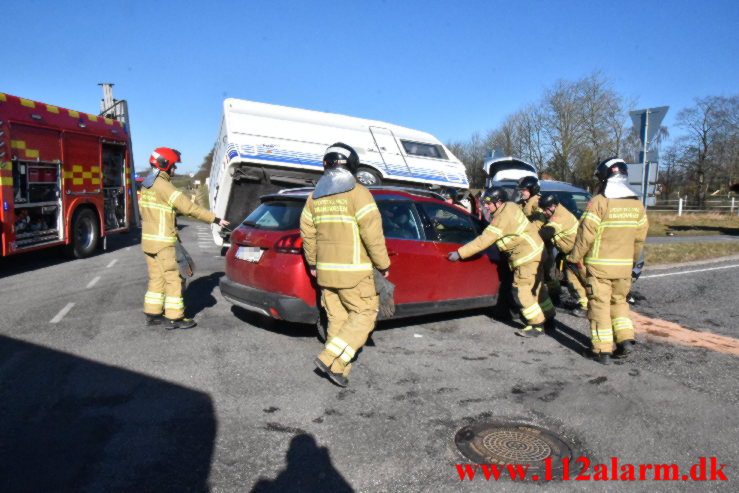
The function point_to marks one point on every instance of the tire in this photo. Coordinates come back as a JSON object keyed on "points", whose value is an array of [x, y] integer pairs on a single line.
{"points": [[322, 325], [85, 234], [368, 177]]}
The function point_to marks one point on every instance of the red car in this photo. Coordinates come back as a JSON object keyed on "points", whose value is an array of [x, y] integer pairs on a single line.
{"points": [[266, 272]]}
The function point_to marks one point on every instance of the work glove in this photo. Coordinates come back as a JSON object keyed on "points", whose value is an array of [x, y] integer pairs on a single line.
{"points": [[453, 256], [385, 290]]}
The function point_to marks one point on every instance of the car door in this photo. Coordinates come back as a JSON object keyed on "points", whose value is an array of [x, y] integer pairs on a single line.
{"points": [[409, 252], [449, 228]]}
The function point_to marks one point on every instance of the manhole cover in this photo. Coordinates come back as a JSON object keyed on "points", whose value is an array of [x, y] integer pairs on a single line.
{"points": [[505, 442]]}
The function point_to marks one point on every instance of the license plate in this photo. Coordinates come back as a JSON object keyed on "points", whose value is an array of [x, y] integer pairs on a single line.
{"points": [[250, 254]]}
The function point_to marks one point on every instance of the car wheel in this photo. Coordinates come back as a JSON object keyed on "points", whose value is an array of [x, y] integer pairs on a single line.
{"points": [[85, 233], [322, 325], [368, 177]]}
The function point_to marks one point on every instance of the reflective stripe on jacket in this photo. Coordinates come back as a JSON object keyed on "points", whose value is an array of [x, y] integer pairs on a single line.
{"points": [[562, 229], [610, 237], [158, 206], [512, 233], [342, 237]]}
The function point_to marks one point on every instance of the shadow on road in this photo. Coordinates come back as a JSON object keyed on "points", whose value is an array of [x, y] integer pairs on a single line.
{"points": [[570, 338], [47, 257], [309, 469], [71, 424], [289, 329], [198, 294]]}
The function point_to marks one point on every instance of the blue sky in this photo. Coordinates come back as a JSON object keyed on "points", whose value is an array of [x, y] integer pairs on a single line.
{"points": [[446, 67]]}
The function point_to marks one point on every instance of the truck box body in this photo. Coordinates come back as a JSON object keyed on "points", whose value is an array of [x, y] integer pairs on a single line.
{"points": [[262, 148], [54, 164]]}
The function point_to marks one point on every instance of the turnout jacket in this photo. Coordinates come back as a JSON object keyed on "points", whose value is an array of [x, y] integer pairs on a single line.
{"points": [[342, 237], [561, 229], [512, 233], [610, 237], [532, 211], [158, 206]]}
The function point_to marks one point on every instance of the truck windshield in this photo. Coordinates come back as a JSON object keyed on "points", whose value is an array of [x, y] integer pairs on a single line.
{"points": [[279, 215]]}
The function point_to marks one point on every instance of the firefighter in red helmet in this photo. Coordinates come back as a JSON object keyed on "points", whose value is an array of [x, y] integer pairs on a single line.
{"points": [[159, 203]]}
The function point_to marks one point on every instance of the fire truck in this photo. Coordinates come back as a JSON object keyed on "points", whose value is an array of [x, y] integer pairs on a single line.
{"points": [[65, 176]]}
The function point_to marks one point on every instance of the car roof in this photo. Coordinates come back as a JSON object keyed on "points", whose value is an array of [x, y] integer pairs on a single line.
{"points": [[546, 186], [386, 192]]}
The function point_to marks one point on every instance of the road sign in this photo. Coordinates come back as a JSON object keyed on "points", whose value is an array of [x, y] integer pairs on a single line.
{"points": [[647, 121], [649, 118]]}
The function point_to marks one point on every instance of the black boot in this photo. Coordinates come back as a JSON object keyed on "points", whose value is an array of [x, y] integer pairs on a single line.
{"points": [[336, 378], [624, 348], [154, 319], [578, 311], [602, 358], [180, 323], [531, 331], [550, 325]]}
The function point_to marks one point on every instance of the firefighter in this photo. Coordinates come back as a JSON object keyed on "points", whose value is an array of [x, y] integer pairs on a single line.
{"points": [[519, 240], [561, 230], [528, 189], [609, 242], [159, 202], [341, 229]]}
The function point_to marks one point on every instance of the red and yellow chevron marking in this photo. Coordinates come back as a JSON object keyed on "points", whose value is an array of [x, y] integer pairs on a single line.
{"points": [[6, 174], [56, 110], [80, 177], [21, 146]]}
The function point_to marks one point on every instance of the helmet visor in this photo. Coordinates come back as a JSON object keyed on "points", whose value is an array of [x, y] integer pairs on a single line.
{"points": [[333, 159]]}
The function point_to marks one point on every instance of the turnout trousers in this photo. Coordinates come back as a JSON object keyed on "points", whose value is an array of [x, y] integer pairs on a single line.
{"points": [[530, 293], [577, 290], [351, 314], [608, 312], [164, 292]]}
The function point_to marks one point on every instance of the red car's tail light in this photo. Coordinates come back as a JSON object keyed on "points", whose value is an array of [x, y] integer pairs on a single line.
{"points": [[290, 244]]}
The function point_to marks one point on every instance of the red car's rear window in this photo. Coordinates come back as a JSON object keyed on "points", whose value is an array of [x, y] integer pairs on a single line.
{"points": [[276, 215]]}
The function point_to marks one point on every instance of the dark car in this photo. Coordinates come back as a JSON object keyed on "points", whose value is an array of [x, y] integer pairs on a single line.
{"points": [[266, 272]]}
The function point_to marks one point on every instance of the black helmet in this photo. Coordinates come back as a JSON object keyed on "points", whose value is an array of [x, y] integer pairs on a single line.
{"points": [[494, 195], [340, 154], [530, 183], [548, 200], [610, 167]]}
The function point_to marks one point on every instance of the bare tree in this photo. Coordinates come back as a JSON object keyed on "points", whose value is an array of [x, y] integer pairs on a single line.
{"points": [[705, 125]]}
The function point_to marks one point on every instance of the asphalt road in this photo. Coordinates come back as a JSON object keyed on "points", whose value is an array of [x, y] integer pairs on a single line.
{"points": [[92, 400]]}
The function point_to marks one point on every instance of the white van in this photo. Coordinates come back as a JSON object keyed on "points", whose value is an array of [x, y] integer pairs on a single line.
{"points": [[262, 148]]}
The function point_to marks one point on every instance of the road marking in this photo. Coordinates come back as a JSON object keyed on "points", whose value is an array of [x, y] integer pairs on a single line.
{"points": [[93, 282], [112, 263], [690, 271], [61, 313]]}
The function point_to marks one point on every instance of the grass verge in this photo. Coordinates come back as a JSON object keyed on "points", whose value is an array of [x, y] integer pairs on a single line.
{"points": [[685, 252], [693, 224]]}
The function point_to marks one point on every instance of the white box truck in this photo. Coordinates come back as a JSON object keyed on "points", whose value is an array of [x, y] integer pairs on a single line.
{"points": [[263, 148]]}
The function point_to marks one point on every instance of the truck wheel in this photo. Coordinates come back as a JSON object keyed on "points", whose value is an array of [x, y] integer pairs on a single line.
{"points": [[85, 234], [368, 177], [322, 325]]}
